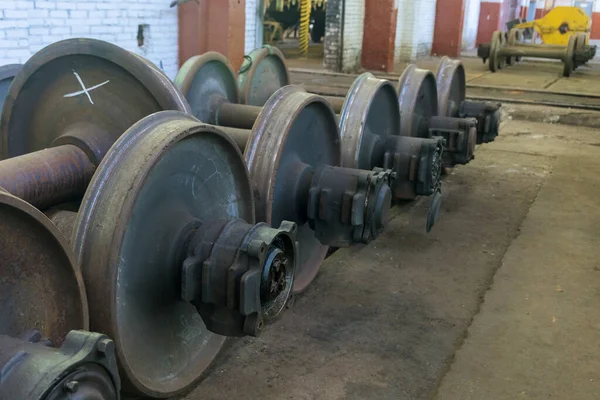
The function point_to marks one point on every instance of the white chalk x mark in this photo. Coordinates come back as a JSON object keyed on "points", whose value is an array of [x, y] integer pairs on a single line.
{"points": [[85, 90]]}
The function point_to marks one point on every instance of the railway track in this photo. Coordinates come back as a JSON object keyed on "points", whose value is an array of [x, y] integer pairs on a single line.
{"points": [[337, 84]]}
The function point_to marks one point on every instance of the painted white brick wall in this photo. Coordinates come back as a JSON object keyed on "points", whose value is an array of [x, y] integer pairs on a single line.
{"points": [[29, 25], [426, 22], [251, 21], [414, 29], [567, 3], [470, 24], [354, 22]]}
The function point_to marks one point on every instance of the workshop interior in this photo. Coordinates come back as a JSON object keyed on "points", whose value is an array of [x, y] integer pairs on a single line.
{"points": [[299, 199]]}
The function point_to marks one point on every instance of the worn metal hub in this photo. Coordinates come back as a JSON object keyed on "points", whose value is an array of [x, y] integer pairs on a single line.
{"points": [[416, 164], [84, 367], [487, 115], [417, 95], [161, 185], [224, 255], [347, 205], [460, 136], [40, 284], [263, 72]]}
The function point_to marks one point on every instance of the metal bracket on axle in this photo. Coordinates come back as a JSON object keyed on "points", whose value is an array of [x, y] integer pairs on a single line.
{"points": [[239, 276]]}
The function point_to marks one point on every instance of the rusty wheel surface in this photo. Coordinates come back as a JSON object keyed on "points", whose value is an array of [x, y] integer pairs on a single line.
{"points": [[294, 128], [494, 62], [263, 73], [40, 284], [502, 39], [207, 81], [451, 86], [417, 95], [369, 115], [581, 41], [164, 172], [7, 74], [83, 85], [515, 37], [510, 60], [569, 59], [579, 48]]}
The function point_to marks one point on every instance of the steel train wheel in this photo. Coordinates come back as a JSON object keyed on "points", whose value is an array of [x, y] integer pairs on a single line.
{"points": [[370, 114], [417, 95], [263, 72], [165, 171], [81, 86], [451, 86], [502, 61], [41, 286], [495, 62], [294, 127], [569, 60], [204, 80]]}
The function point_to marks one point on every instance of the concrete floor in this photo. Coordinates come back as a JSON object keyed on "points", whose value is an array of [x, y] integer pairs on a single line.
{"points": [[499, 301], [537, 333]]}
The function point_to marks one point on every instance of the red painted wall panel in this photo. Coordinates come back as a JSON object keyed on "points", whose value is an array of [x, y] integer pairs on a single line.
{"points": [[595, 33], [523, 13], [209, 25], [447, 36], [380, 29], [539, 13], [489, 19]]}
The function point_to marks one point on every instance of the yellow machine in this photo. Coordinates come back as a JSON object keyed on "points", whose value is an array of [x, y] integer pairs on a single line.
{"points": [[560, 23]]}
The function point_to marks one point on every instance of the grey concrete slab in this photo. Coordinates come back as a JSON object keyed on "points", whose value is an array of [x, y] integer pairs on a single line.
{"points": [[584, 80], [523, 75], [537, 335]]}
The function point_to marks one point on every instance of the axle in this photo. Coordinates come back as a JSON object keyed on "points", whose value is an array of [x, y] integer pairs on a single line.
{"points": [[48, 177], [412, 161], [557, 53], [342, 205], [236, 115], [57, 174], [337, 103], [239, 276], [243, 116]]}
